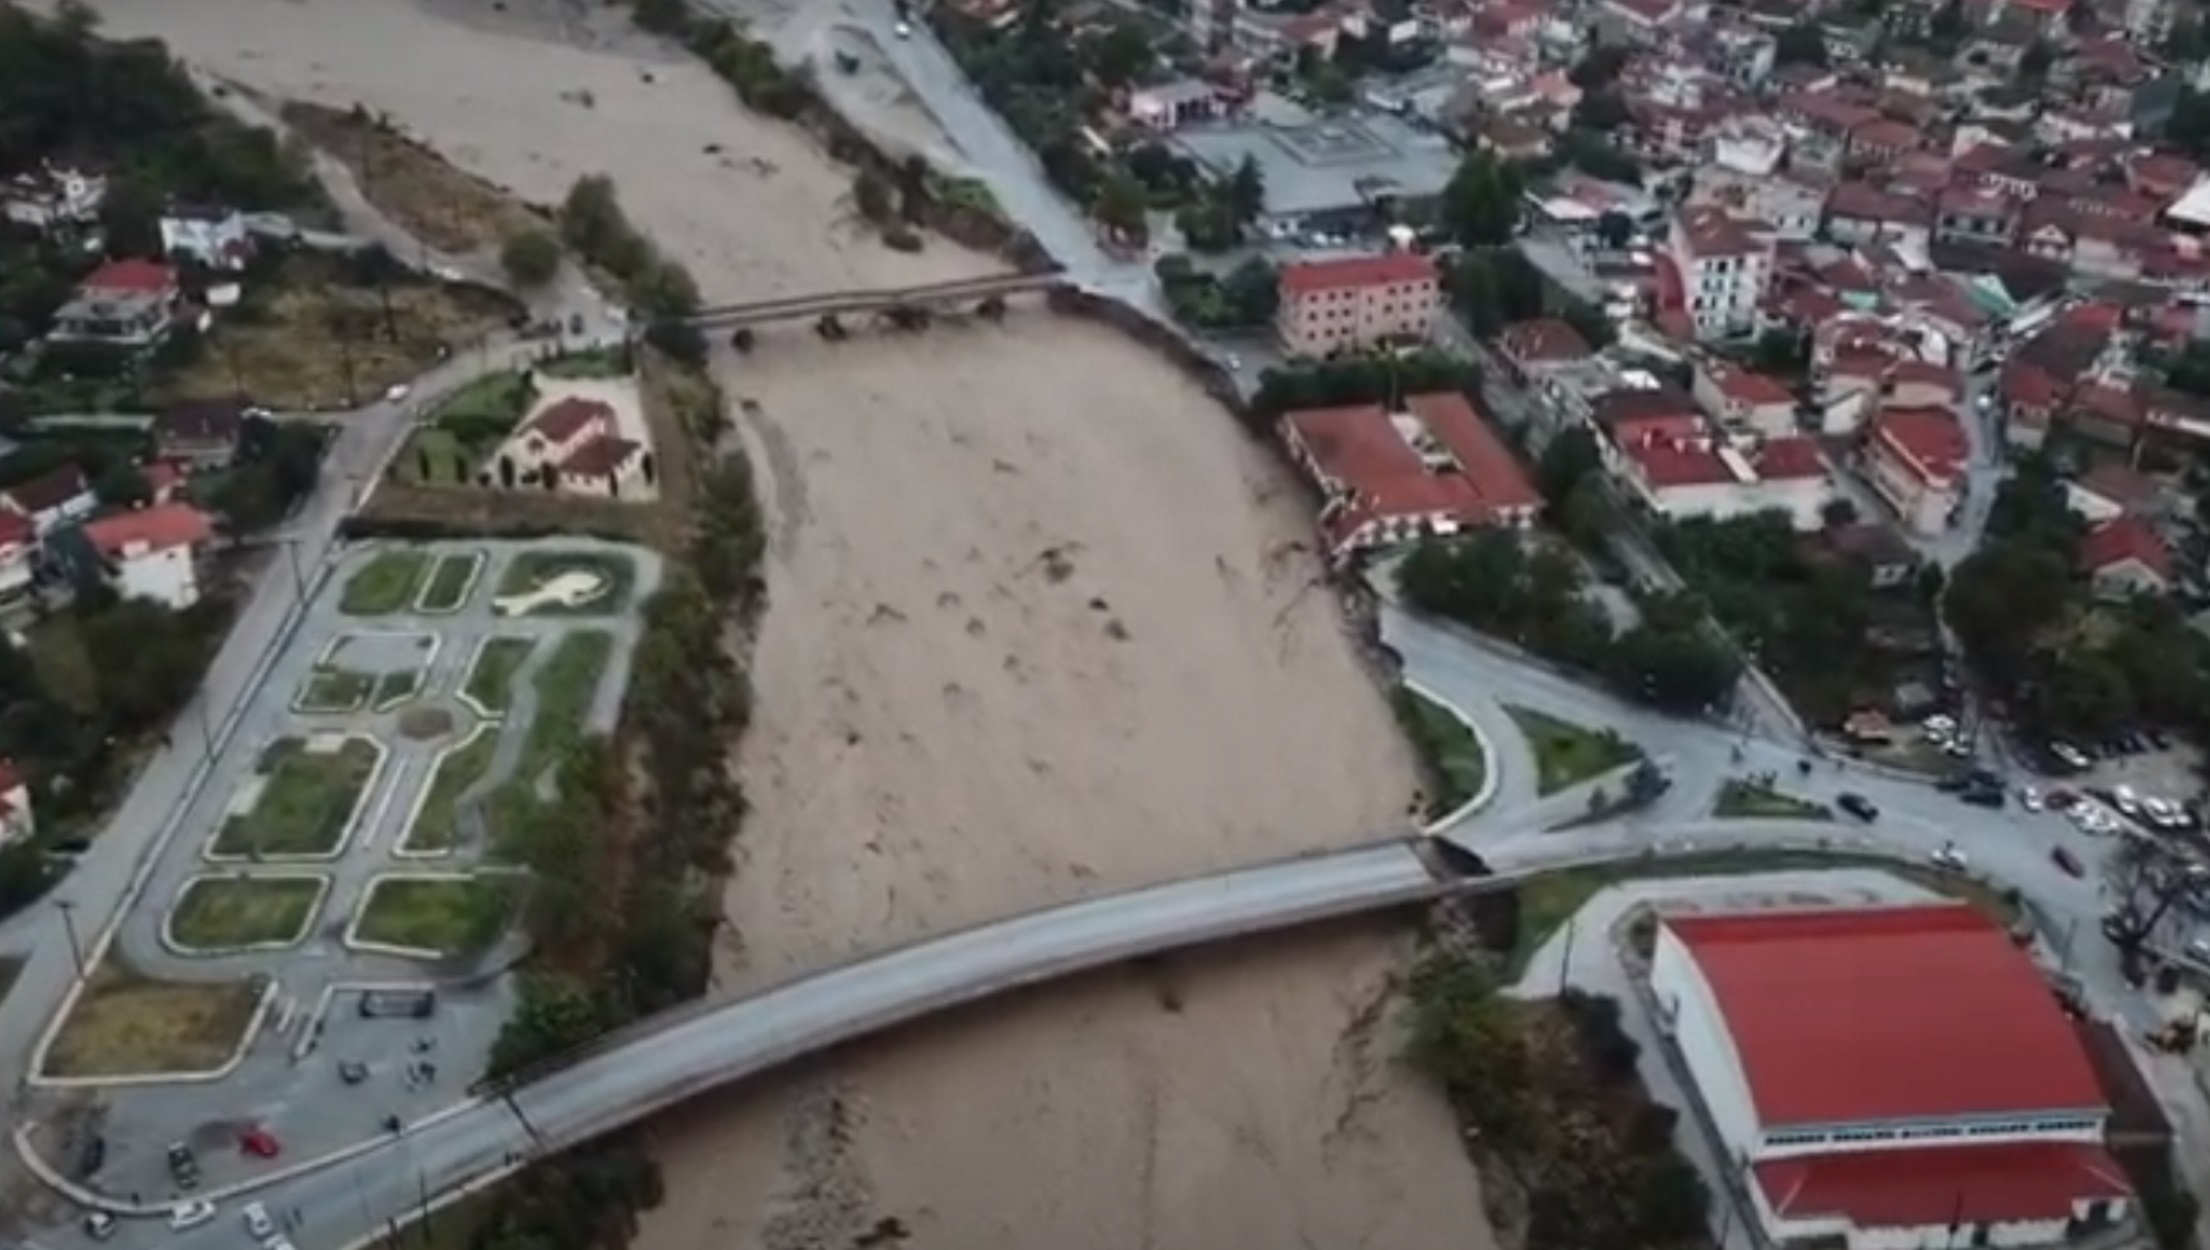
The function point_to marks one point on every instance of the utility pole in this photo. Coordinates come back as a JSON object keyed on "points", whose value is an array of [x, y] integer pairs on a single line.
{"points": [[69, 926], [1565, 962]]}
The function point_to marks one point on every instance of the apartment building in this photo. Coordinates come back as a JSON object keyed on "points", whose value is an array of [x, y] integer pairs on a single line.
{"points": [[1357, 301]]}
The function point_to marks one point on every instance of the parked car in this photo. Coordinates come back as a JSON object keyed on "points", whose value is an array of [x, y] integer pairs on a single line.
{"points": [[258, 1222], [1859, 806], [184, 1166], [2069, 862], [190, 1214], [1981, 796], [259, 1142], [2031, 799], [99, 1225], [1948, 856]]}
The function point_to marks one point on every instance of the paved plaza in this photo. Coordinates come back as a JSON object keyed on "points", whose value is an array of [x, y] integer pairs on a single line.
{"points": [[422, 678]]}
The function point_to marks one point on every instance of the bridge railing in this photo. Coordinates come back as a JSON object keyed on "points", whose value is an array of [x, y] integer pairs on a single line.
{"points": [[797, 305]]}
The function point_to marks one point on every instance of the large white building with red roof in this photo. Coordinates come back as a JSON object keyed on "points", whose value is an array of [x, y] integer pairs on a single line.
{"points": [[1888, 1078], [1915, 459], [153, 552], [1680, 467], [1356, 301], [1385, 478]]}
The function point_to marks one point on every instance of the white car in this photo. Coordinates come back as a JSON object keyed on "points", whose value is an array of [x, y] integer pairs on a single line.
{"points": [[396, 392], [2030, 799], [904, 29], [1938, 723], [258, 1222], [1951, 858], [190, 1214], [2069, 754]]}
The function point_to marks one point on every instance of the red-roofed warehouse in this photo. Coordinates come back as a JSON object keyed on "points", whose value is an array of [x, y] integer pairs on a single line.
{"points": [[1889, 1077], [1435, 468]]}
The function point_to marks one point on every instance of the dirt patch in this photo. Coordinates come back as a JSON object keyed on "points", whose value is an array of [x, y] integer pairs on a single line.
{"points": [[416, 188], [126, 1024]]}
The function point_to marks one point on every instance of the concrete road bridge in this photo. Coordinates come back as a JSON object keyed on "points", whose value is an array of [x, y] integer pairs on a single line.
{"points": [[933, 297]]}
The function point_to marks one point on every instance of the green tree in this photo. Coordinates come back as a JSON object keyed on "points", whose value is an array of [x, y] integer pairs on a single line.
{"points": [[1481, 203], [1118, 55], [1121, 206], [2034, 62], [531, 257], [1245, 192], [1800, 44], [1252, 291], [1782, 351]]}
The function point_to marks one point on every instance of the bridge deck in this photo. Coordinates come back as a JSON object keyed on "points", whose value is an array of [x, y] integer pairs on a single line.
{"points": [[827, 303]]}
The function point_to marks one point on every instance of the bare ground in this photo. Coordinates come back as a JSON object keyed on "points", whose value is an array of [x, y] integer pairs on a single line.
{"points": [[1041, 624]]}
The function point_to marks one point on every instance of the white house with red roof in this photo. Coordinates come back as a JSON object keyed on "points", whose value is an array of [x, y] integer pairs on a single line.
{"points": [[153, 552], [16, 819], [1680, 467], [1737, 398], [1915, 459], [1387, 478], [1723, 266], [1889, 1078], [578, 442], [2123, 557], [127, 304], [1357, 301], [52, 499]]}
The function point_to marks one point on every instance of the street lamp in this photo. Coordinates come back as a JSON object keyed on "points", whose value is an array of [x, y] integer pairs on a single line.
{"points": [[69, 926]]}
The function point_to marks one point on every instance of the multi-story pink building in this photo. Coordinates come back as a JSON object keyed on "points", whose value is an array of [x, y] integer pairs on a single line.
{"points": [[1357, 301]]}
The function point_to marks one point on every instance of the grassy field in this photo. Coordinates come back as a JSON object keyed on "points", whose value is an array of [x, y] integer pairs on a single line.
{"points": [[1566, 753], [306, 798], [565, 685], [531, 569], [308, 340], [599, 362], [491, 677], [467, 427], [449, 915], [333, 690], [388, 583], [227, 913], [1739, 798], [125, 1024], [450, 210], [1446, 745], [450, 581], [395, 687], [436, 824]]}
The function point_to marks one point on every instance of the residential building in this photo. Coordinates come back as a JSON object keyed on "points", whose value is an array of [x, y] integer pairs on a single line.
{"points": [[1679, 468], [1358, 301], [53, 196], [1737, 399], [201, 433], [607, 466], [578, 443], [16, 819], [124, 304], [1723, 266], [1387, 478], [1169, 105], [18, 549], [214, 237], [52, 499], [153, 552], [1530, 348], [2124, 557], [2112, 490], [1915, 459], [1888, 1078]]}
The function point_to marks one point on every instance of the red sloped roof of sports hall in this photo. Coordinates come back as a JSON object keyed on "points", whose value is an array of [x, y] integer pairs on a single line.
{"points": [[1922, 1186], [1887, 1013]]}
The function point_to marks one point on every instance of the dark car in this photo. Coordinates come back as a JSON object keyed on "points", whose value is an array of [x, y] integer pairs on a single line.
{"points": [[1983, 797], [1952, 783], [1858, 805], [2069, 862]]}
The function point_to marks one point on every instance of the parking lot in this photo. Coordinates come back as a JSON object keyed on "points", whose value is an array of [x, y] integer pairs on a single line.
{"points": [[338, 856]]}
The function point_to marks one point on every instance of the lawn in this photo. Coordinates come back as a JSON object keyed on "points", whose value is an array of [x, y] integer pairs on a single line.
{"points": [[565, 685], [436, 823], [430, 199], [1567, 754], [395, 687], [598, 362], [532, 569], [467, 427], [307, 797], [1758, 800], [125, 1024], [229, 913], [307, 339], [386, 584], [1548, 901], [450, 582], [1447, 748], [449, 915], [333, 690], [491, 677]]}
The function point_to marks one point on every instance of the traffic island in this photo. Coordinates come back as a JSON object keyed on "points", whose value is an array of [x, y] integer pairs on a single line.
{"points": [[1450, 751], [442, 916], [434, 826], [565, 583], [387, 584], [450, 582], [302, 802], [1747, 798], [1567, 754], [373, 671], [123, 1027], [218, 915]]}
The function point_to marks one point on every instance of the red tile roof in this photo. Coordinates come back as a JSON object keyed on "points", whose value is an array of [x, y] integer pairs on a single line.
{"points": [[1668, 458], [159, 527], [15, 530], [1925, 1186], [1744, 387], [1307, 276], [569, 417], [1363, 451], [1923, 373], [49, 490], [1543, 339], [1882, 1014], [2124, 538], [142, 277], [1706, 232], [1892, 136], [1787, 459], [599, 457], [1930, 442]]}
